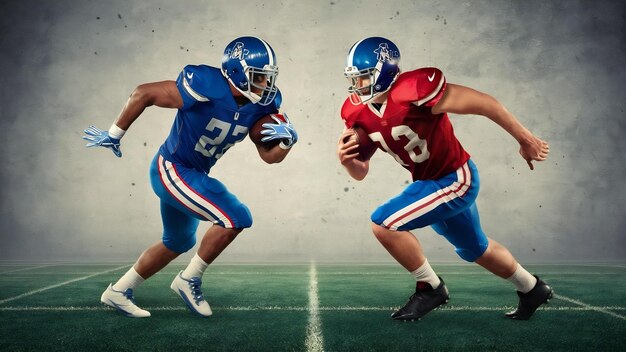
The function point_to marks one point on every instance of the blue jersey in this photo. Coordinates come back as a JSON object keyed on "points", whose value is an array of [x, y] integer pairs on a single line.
{"points": [[210, 121]]}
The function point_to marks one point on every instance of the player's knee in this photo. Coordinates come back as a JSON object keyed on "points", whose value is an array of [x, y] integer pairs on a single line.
{"points": [[383, 234], [181, 243], [243, 218], [235, 231], [471, 253], [380, 232], [378, 216]]}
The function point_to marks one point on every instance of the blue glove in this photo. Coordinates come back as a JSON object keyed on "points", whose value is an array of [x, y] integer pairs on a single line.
{"points": [[100, 138], [283, 130]]}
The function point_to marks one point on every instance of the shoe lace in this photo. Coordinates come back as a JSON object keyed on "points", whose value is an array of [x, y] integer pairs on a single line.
{"points": [[417, 296], [129, 295], [196, 291]]}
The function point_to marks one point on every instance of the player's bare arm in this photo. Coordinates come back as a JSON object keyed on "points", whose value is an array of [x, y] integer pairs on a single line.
{"points": [[463, 100], [347, 151], [163, 94], [272, 155]]}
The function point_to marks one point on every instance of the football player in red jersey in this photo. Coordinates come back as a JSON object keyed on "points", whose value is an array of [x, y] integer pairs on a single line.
{"points": [[406, 115]]}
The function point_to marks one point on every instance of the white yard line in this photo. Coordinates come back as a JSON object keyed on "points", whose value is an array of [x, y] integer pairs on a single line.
{"points": [[314, 339], [25, 269], [586, 308], [605, 265], [61, 263], [333, 273], [443, 264], [30, 293], [590, 307]]}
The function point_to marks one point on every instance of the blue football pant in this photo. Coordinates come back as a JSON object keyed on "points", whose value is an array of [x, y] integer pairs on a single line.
{"points": [[188, 196], [447, 204]]}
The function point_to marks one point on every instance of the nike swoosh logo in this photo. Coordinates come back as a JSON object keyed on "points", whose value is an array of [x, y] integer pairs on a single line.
{"points": [[430, 78], [190, 75], [120, 308], [187, 301]]}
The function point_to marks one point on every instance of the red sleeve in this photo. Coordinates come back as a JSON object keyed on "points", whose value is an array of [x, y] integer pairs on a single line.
{"points": [[347, 113], [431, 84], [422, 87]]}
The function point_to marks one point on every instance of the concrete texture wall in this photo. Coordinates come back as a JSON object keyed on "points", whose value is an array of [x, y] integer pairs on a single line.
{"points": [[558, 65]]}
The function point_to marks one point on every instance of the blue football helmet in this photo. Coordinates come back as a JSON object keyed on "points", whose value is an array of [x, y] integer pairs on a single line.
{"points": [[371, 68], [249, 64]]}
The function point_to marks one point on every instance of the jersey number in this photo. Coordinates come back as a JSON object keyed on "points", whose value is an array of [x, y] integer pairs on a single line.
{"points": [[415, 142], [212, 147]]}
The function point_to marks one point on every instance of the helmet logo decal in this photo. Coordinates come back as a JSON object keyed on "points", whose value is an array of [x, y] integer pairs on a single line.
{"points": [[384, 54], [237, 52]]}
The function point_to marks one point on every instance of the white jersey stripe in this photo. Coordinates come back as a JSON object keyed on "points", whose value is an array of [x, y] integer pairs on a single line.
{"points": [[422, 206], [270, 53], [193, 93], [183, 193], [409, 208], [351, 54], [447, 194], [204, 203], [433, 94], [176, 194]]}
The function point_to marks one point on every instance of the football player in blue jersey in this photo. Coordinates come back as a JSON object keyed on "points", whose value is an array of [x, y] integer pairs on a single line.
{"points": [[215, 110]]}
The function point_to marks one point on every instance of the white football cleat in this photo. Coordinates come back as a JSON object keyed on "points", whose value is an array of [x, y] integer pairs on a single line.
{"points": [[123, 301], [191, 293]]}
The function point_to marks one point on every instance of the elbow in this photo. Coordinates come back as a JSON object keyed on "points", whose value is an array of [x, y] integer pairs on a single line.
{"points": [[492, 107], [142, 94], [358, 177], [279, 159], [274, 155], [273, 159], [356, 169]]}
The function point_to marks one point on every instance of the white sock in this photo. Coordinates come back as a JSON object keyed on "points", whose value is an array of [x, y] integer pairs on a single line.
{"points": [[130, 280], [522, 279], [426, 274], [196, 267]]}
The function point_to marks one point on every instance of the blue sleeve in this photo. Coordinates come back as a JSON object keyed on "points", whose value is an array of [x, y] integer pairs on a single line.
{"points": [[192, 86], [278, 99]]}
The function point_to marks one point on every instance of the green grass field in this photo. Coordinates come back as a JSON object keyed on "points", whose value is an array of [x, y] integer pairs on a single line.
{"points": [[309, 307]]}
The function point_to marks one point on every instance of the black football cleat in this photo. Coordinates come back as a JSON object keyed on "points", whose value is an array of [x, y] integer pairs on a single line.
{"points": [[529, 302], [422, 301]]}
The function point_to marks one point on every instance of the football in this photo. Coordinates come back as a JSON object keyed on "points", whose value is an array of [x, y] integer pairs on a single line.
{"points": [[367, 147], [255, 131]]}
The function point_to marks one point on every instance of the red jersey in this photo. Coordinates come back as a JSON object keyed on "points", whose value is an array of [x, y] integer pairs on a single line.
{"points": [[405, 127]]}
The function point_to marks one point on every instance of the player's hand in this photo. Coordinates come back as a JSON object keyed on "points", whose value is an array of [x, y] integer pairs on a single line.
{"points": [[347, 147], [534, 149], [99, 138], [282, 130]]}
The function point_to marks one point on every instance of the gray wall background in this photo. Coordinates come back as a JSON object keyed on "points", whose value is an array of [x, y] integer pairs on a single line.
{"points": [[559, 66]]}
